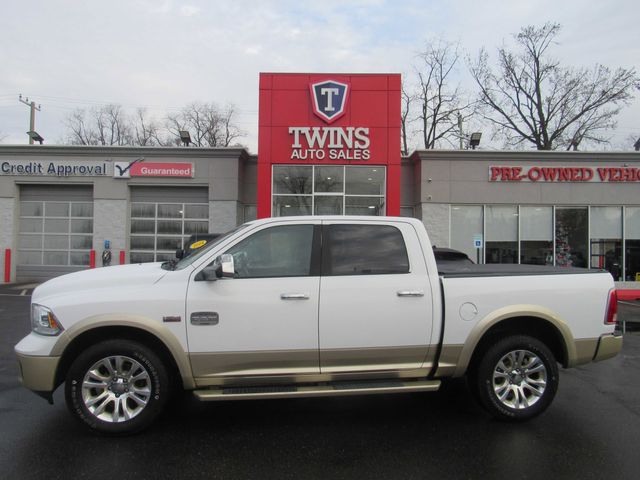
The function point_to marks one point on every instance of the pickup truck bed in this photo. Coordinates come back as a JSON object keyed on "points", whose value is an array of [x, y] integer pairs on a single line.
{"points": [[509, 270]]}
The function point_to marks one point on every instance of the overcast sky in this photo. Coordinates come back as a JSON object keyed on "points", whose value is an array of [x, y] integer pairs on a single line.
{"points": [[165, 54]]}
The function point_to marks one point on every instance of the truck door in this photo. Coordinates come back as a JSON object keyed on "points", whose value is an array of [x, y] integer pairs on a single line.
{"points": [[375, 304], [265, 320]]}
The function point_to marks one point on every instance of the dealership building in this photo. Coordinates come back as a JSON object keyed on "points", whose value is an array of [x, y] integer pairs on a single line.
{"points": [[327, 144]]}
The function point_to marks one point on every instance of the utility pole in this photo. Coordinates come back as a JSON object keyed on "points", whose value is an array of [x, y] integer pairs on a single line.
{"points": [[32, 122], [460, 129]]}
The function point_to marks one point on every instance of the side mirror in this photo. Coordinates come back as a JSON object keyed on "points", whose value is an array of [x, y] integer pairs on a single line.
{"points": [[226, 268], [180, 254], [222, 267]]}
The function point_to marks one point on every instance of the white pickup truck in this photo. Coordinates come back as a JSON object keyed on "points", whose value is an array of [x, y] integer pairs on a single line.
{"points": [[312, 306]]}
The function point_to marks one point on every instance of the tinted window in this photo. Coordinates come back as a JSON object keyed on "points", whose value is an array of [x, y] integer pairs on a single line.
{"points": [[283, 251], [364, 250]]}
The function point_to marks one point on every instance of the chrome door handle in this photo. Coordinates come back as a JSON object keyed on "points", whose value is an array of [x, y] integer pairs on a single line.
{"points": [[410, 293], [294, 296]]}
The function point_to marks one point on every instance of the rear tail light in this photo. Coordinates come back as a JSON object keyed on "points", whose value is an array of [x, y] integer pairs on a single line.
{"points": [[611, 317]]}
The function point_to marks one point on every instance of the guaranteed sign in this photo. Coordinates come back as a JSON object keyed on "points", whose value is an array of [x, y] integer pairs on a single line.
{"points": [[152, 169], [546, 174]]}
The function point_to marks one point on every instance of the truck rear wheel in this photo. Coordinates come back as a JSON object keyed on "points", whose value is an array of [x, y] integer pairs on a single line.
{"points": [[516, 379], [117, 387]]}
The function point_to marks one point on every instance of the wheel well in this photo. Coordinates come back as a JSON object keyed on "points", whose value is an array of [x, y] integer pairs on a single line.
{"points": [[535, 327], [96, 335]]}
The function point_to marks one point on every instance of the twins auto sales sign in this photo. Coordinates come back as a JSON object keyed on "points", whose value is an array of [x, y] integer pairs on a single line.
{"points": [[329, 119], [329, 103]]}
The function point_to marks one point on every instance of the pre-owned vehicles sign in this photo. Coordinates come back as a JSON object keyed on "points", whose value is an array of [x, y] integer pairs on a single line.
{"points": [[554, 174]]}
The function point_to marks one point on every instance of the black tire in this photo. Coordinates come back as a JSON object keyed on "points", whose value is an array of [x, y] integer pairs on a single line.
{"points": [[516, 378], [121, 402]]}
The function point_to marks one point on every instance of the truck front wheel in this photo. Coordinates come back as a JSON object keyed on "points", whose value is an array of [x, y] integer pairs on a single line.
{"points": [[516, 378], [117, 387]]}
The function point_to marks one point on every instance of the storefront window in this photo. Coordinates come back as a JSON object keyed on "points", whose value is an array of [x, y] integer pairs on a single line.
{"points": [[632, 244], [606, 240], [292, 180], [585, 237], [328, 190], [501, 234], [328, 179], [466, 222], [284, 206], [364, 205], [328, 205], [571, 237], [536, 233], [365, 181]]}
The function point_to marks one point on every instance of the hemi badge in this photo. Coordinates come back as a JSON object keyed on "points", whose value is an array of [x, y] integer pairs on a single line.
{"points": [[172, 318]]}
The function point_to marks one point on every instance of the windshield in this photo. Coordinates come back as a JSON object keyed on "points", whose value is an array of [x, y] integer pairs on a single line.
{"points": [[188, 260]]}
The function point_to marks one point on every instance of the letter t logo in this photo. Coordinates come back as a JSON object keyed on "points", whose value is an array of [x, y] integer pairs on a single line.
{"points": [[329, 92]]}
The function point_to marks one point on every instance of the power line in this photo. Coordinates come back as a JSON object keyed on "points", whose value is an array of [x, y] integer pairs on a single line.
{"points": [[80, 101]]}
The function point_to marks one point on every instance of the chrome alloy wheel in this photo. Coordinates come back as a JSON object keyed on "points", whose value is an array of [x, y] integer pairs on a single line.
{"points": [[116, 389], [519, 379]]}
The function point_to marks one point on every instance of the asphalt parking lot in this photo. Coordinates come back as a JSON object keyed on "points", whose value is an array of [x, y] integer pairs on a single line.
{"points": [[592, 430]]}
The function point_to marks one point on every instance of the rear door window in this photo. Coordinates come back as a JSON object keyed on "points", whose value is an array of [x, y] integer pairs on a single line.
{"points": [[363, 250]]}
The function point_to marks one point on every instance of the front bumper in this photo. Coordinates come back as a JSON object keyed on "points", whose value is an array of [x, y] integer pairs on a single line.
{"points": [[37, 366], [609, 346], [38, 373]]}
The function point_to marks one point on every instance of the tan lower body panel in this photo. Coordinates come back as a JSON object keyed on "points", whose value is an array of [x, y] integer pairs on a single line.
{"points": [[448, 361], [278, 362], [608, 347], [585, 351], [38, 373], [450, 356], [343, 360], [301, 366], [317, 391]]}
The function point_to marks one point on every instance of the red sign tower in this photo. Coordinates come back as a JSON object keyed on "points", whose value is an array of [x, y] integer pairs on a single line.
{"points": [[329, 119]]}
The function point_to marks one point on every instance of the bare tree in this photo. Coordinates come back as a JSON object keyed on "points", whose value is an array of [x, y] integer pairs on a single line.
{"points": [[105, 125], [407, 99], [146, 131], [113, 125], [78, 131], [230, 130], [441, 103], [533, 99], [207, 124]]}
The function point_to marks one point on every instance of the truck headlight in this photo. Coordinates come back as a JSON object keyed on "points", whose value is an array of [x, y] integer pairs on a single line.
{"points": [[43, 321]]}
